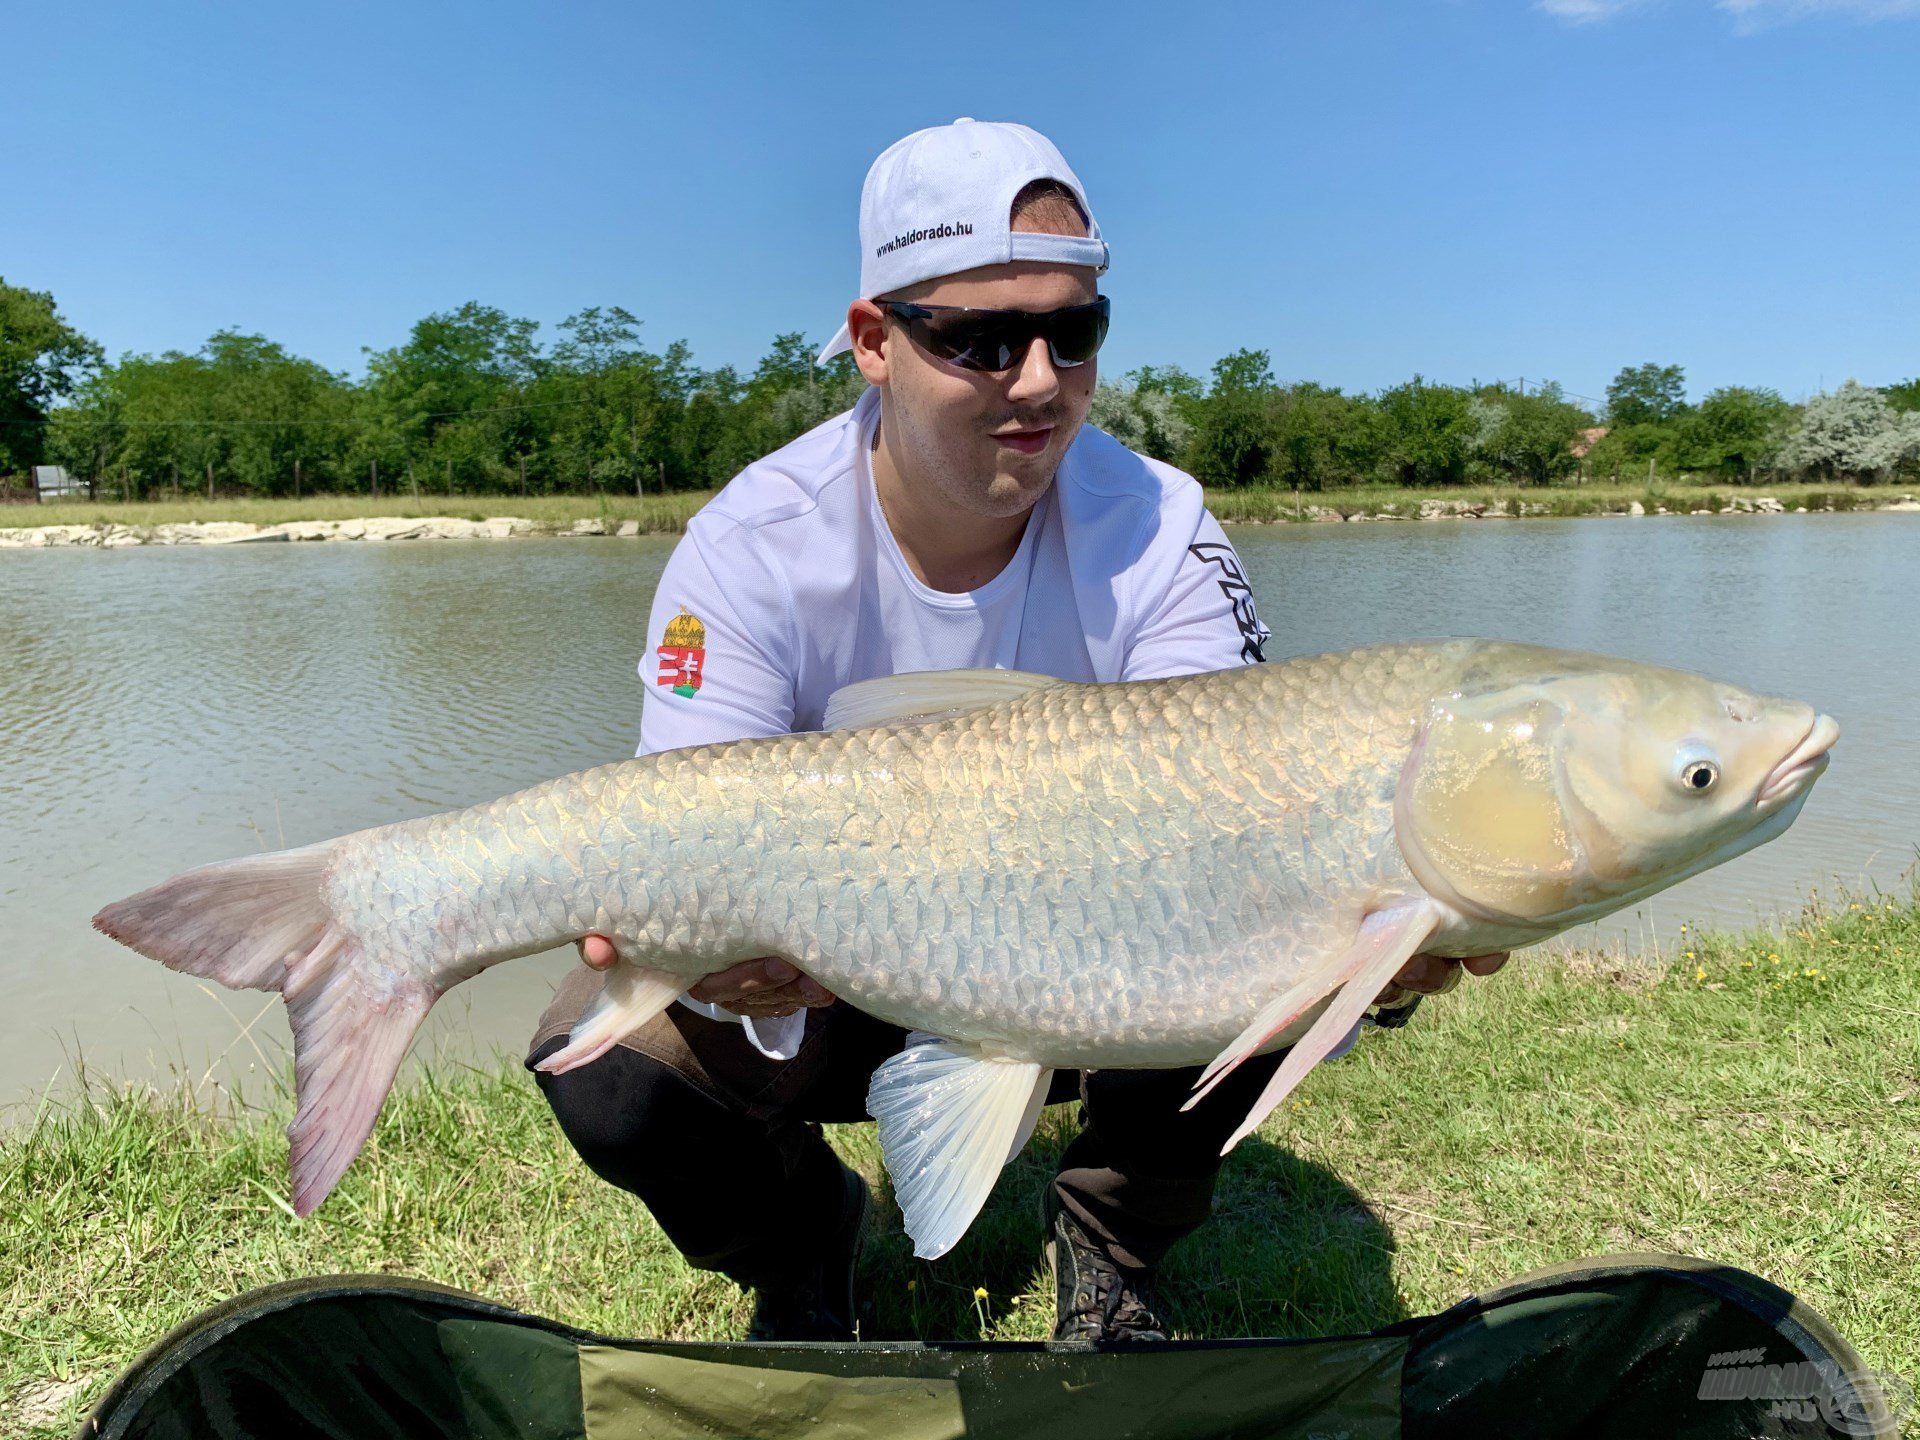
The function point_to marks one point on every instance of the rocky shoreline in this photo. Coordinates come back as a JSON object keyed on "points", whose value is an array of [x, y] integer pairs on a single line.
{"points": [[240, 532], [108, 536], [1528, 510]]}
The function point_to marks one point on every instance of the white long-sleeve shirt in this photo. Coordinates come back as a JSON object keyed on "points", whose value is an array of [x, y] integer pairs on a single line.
{"points": [[789, 585]]}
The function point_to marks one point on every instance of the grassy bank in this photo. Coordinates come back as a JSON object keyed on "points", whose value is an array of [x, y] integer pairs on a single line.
{"points": [[668, 514], [1752, 1099]]}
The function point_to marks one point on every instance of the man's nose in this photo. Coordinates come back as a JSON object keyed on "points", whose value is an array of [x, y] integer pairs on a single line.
{"points": [[1034, 378]]}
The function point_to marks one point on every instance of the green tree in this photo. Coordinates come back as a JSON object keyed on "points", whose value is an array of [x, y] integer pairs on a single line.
{"points": [[240, 404], [1732, 432], [1903, 396], [439, 402], [43, 360], [1647, 394], [1526, 436], [1426, 433], [1320, 438], [1231, 442]]}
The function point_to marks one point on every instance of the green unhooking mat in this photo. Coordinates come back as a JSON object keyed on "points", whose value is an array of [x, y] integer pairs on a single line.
{"points": [[1632, 1345]]}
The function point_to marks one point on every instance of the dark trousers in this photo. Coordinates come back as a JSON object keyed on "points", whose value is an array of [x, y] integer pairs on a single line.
{"points": [[705, 1130]]}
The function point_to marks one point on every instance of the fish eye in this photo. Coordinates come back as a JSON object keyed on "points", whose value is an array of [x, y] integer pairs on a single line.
{"points": [[1699, 775]]}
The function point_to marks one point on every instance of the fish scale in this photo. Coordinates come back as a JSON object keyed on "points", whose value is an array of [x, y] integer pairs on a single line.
{"points": [[970, 877]]}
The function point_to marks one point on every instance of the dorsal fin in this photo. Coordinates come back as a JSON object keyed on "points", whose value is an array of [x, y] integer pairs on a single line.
{"points": [[925, 695]]}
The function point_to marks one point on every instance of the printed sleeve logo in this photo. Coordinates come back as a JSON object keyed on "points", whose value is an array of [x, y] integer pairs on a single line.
{"points": [[1233, 584], [683, 658]]}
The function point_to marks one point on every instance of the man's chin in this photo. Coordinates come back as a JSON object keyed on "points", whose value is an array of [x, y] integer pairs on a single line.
{"points": [[1013, 492]]}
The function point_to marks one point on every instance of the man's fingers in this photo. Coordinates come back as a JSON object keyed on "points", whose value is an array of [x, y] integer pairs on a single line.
{"points": [[749, 977], [1427, 975], [597, 951], [1437, 974]]}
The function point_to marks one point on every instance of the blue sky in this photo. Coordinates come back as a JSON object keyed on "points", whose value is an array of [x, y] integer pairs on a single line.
{"points": [[1463, 188]]}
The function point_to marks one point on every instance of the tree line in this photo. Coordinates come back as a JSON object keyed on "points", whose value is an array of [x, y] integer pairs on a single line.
{"points": [[474, 401]]}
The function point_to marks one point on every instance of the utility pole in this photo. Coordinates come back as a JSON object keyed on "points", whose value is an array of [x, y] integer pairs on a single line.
{"points": [[296, 479], [373, 475]]}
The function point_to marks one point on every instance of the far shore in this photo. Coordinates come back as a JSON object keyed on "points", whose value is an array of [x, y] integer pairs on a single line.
{"points": [[229, 521]]}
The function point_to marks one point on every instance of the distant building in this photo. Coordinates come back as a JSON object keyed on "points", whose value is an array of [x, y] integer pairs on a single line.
{"points": [[52, 482], [1586, 440]]}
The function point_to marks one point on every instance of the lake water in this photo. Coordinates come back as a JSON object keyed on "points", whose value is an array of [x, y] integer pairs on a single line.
{"points": [[165, 707]]}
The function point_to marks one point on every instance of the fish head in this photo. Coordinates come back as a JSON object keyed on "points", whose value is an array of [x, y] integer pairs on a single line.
{"points": [[1555, 798]]}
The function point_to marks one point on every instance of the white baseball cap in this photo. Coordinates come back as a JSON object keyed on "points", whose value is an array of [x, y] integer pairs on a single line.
{"points": [[941, 201]]}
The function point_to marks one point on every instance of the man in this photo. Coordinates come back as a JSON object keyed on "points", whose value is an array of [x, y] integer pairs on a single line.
{"points": [[959, 515]]}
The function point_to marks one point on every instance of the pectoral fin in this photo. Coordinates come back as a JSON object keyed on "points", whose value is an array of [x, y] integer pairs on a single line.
{"points": [[632, 996], [950, 1118], [1387, 940]]}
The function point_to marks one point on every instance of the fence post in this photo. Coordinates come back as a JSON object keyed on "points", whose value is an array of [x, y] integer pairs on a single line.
{"points": [[209, 479], [523, 474], [373, 474], [296, 479]]}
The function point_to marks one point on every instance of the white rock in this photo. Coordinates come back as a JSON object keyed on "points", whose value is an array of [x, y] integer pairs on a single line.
{"points": [[1636, 508], [628, 529], [587, 527]]}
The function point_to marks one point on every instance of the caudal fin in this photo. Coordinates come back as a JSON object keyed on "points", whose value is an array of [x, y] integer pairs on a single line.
{"points": [[263, 924]]}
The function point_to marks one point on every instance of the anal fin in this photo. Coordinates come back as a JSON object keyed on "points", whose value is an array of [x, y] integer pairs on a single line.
{"points": [[1387, 940], [348, 1041], [632, 996], [950, 1118]]}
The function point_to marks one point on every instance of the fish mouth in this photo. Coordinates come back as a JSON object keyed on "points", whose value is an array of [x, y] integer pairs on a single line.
{"points": [[1803, 764]]}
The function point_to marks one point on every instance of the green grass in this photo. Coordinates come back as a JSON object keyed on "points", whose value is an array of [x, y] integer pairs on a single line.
{"points": [[668, 514], [1754, 1099]]}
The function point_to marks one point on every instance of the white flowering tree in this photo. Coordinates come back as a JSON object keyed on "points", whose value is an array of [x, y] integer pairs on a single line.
{"points": [[1852, 432], [1145, 420]]}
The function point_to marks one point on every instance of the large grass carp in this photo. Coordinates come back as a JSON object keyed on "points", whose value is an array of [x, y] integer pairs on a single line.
{"points": [[1036, 874]]}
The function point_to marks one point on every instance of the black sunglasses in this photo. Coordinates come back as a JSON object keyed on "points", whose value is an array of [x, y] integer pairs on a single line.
{"points": [[997, 340]]}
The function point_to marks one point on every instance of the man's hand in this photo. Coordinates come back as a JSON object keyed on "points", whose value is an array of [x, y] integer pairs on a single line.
{"points": [[765, 988], [1436, 974]]}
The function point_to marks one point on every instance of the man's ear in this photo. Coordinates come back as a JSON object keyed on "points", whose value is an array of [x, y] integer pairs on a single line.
{"points": [[868, 327]]}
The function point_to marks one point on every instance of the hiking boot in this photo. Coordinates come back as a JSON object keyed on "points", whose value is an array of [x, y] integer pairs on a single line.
{"points": [[816, 1302], [1096, 1301]]}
